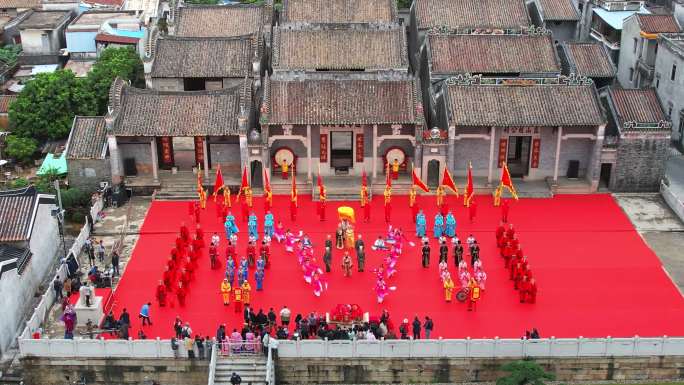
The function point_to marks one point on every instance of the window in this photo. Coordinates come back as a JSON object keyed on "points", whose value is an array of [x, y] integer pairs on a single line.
{"points": [[631, 74], [669, 110], [636, 43], [674, 71], [657, 77]]}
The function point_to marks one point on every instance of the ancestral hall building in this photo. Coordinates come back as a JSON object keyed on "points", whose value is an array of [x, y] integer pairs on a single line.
{"points": [[343, 87]]}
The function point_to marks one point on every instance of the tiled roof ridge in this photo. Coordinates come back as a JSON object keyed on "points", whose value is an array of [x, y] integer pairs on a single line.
{"points": [[23, 191]]}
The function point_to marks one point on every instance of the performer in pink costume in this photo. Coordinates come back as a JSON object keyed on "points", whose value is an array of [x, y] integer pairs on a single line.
{"points": [[443, 270], [382, 290], [319, 283], [290, 241], [279, 232], [464, 277], [481, 278]]}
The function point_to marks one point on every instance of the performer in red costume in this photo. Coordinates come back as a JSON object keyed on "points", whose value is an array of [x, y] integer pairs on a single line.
{"points": [[161, 294], [213, 256], [199, 235], [472, 210], [504, 210], [474, 294], [181, 292], [532, 291], [184, 234], [510, 232], [167, 278], [365, 204]]}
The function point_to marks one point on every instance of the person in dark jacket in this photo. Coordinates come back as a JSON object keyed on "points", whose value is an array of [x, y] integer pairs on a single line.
{"points": [[416, 328]]}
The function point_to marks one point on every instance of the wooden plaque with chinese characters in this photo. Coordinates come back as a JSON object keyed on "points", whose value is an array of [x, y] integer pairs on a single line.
{"points": [[536, 145], [503, 146], [166, 152], [359, 148], [323, 156]]}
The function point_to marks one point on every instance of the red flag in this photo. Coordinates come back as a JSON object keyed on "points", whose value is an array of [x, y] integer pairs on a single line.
{"points": [[388, 176], [320, 183], [418, 182], [507, 182], [469, 190], [218, 183], [293, 191], [245, 182], [448, 181]]}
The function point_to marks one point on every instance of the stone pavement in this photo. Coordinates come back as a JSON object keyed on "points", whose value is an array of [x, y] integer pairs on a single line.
{"points": [[662, 230]]}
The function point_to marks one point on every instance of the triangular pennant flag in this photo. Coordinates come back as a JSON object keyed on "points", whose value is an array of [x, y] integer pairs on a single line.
{"points": [[218, 183], [448, 181], [507, 181], [419, 183], [245, 181]]}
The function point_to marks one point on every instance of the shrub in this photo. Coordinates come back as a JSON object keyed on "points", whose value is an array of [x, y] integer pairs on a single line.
{"points": [[524, 372]]}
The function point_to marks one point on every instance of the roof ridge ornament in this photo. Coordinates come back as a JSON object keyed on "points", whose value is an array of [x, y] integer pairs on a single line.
{"points": [[574, 80], [464, 80], [536, 31]]}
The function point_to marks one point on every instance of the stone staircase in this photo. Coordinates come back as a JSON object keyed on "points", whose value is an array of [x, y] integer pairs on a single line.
{"points": [[252, 369]]}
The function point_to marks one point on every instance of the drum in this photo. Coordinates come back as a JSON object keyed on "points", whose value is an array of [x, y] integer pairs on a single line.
{"points": [[462, 295]]}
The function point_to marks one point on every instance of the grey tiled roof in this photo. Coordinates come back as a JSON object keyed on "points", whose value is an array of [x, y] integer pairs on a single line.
{"points": [[45, 19], [16, 214], [589, 59], [340, 47], [347, 100], [339, 11], [493, 54], [19, 3], [138, 112], [495, 14], [558, 10], [87, 138], [537, 105], [185, 57], [221, 20], [638, 106]]}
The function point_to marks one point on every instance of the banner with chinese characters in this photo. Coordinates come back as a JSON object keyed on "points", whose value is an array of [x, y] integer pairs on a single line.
{"points": [[199, 151], [359, 148], [324, 148], [536, 145], [503, 146], [166, 152]]}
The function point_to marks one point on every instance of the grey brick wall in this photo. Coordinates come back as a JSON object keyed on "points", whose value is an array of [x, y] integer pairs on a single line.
{"points": [[86, 174], [640, 164]]}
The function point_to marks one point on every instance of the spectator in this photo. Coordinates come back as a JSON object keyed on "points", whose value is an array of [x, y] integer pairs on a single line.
{"points": [[190, 347], [208, 345], [261, 319], [67, 287], [100, 251], [57, 286], [90, 251], [535, 334], [115, 262], [264, 343], [285, 316], [124, 317], [416, 328], [200, 346], [174, 347], [145, 314], [186, 331], [69, 319], [235, 379], [142, 335], [271, 318], [403, 329], [178, 326], [428, 326]]}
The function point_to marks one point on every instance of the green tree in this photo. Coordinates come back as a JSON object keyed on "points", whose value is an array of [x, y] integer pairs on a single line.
{"points": [[46, 106], [524, 372], [112, 63], [9, 53], [21, 149], [404, 4], [45, 183]]}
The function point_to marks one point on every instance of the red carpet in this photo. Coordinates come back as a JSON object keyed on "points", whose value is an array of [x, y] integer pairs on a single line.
{"points": [[595, 274]]}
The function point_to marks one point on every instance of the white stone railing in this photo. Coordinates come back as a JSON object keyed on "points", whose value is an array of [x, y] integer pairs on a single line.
{"points": [[672, 200], [547, 347], [457, 348]]}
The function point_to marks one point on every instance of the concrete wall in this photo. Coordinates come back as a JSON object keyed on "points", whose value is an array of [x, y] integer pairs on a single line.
{"points": [[120, 371], [457, 370], [19, 290], [628, 56], [172, 84], [87, 174], [142, 152], [32, 41], [671, 92], [81, 41], [575, 149], [562, 30], [226, 154], [640, 164]]}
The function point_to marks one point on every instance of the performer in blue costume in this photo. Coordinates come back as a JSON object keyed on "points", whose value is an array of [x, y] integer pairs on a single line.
{"points": [[242, 275], [268, 224], [421, 224], [439, 225], [450, 225], [231, 227], [259, 278], [230, 271], [252, 226], [260, 263]]}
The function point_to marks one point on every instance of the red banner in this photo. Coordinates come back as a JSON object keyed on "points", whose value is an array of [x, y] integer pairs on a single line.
{"points": [[503, 146], [166, 146], [536, 145], [359, 148], [199, 151], [324, 148]]}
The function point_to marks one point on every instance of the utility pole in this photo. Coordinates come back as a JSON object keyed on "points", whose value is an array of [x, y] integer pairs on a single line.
{"points": [[60, 216]]}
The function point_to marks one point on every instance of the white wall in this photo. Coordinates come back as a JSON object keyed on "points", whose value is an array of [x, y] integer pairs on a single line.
{"points": [[17, 291]]}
